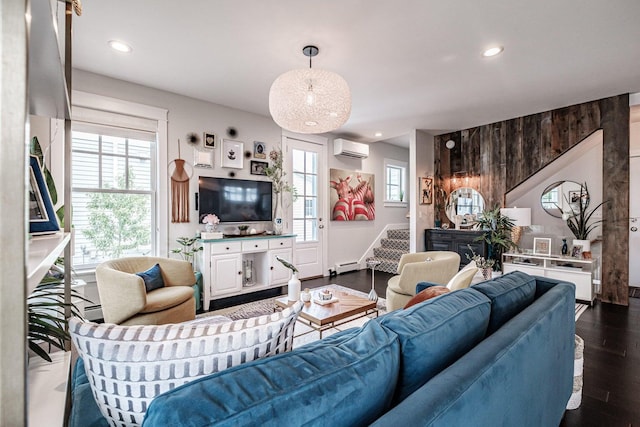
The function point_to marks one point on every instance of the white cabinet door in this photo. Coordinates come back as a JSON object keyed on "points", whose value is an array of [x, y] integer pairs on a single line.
{"points": [[279, 273], [226, 274]]}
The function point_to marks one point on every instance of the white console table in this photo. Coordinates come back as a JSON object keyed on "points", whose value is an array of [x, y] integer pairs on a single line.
{"points": [[584, 273], [223, 264]]}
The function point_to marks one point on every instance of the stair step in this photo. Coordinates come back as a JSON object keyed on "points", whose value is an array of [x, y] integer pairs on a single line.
{"points": [[402, 245], [400, 234], [388, 266], [389, 254]]}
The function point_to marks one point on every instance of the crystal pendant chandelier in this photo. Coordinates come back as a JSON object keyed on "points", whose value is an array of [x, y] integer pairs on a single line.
{"points": [[310, 100]]}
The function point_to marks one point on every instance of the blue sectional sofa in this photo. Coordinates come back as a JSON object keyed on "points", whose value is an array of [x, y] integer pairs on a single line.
{"points": [[498, 353]]}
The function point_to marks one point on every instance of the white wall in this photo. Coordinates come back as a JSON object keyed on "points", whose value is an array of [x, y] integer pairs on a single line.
{"points": [[424, 166], [348, 241]]}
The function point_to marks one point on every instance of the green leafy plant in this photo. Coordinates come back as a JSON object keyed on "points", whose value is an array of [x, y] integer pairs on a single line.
{"points": [[277, 174], [188, 248], [578, 221], [497, 234], [46, 316], [287, 264]]}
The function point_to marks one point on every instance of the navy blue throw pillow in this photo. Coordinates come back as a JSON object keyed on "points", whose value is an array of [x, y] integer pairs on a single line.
{"points": [[152, 278]]}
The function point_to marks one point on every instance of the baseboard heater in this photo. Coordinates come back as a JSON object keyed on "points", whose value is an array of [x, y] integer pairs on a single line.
{"points": [[344, 267]]}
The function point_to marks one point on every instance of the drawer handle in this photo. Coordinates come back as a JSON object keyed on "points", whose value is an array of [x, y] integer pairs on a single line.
{"points": [[227, 247], [255, 246], [281, 243], [239, 272], [272, 267]]}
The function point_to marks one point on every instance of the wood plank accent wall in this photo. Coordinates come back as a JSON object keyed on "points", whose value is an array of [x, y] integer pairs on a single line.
{"points": [[499, 156]]}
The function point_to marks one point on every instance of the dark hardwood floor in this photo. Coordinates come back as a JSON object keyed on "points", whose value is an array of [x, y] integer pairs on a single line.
{"points": [[611, 392]]}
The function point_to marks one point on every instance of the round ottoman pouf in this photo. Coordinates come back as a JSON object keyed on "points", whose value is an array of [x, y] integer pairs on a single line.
{"points": [[578, 363]]}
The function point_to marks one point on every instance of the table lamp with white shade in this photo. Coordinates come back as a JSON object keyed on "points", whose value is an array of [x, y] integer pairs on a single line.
{"points": [[521, 217]]}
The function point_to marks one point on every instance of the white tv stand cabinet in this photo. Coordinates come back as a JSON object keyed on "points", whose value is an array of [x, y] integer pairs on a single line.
{"points": [[223, 264], [584, 273]]}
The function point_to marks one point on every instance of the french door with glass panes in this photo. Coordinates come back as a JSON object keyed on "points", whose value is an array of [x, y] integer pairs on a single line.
{"points": [[308, 208]]}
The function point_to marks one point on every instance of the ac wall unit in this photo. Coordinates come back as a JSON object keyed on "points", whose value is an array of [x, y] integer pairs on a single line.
{"points": [[343, 147]]}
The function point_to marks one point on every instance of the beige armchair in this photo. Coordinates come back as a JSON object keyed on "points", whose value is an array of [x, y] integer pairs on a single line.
{"points": [[414, 268], [125, 300]]}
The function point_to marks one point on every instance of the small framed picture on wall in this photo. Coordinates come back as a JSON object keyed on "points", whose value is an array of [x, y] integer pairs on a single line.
{"points": [[259, 168], [232, 154], [426, 190], [209, 140], [259, 150]]}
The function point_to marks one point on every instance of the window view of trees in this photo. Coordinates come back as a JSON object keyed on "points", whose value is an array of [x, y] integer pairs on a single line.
{"points": [[118, 222]]}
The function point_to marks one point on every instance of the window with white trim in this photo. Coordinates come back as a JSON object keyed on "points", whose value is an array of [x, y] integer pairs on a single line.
{"points": [[395, 179], [113, 192]]}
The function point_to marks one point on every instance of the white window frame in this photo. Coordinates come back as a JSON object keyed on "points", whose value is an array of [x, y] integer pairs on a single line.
{"points": [[396, 164], [98, 109]]}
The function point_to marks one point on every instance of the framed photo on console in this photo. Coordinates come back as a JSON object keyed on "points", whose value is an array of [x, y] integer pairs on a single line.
{"points": [[42, 216], [542, 246]]}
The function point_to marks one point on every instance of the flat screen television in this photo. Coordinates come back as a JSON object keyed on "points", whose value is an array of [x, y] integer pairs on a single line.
{"points": [[235, 200]]}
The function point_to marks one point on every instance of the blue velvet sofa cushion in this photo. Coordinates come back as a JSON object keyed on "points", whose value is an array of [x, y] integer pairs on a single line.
{"points": [[342, 380], [84, 410], [509, 295], [434, 333], [521, 375]]}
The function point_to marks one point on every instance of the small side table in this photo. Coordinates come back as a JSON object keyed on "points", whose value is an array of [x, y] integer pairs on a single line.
{"points": [[372, 263]]}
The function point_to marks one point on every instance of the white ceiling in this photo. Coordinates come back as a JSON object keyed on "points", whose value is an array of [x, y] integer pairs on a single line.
{"points": [[411, 64]]}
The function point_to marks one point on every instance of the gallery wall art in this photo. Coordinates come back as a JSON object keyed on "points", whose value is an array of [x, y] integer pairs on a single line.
{"points": [[352, 195]]}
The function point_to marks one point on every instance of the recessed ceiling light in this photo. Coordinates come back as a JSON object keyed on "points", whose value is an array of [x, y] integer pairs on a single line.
{"points": [[493, 51], [378, 134], [119, 46]]}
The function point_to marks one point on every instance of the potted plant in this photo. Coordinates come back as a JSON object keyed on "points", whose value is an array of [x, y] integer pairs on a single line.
{"points": [[294, 282], [188, 249], [485, 265], [497, 234], [578, 220]]}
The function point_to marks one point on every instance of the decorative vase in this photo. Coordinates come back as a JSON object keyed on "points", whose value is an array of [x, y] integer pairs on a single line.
{"points": [[565, 248], [305, 295], [210, 228], [486, 273], [277, 215], [294, 287]]}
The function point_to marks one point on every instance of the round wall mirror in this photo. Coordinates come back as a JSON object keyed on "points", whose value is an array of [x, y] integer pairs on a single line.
{"points": [[463, 201], [564, 196]]}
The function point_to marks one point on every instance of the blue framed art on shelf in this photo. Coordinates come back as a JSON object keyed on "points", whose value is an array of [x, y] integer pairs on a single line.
{"points": [[42, 216]]}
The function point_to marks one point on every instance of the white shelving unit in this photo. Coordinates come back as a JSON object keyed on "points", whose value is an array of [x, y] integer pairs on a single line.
{"points": [[584, 273]]}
